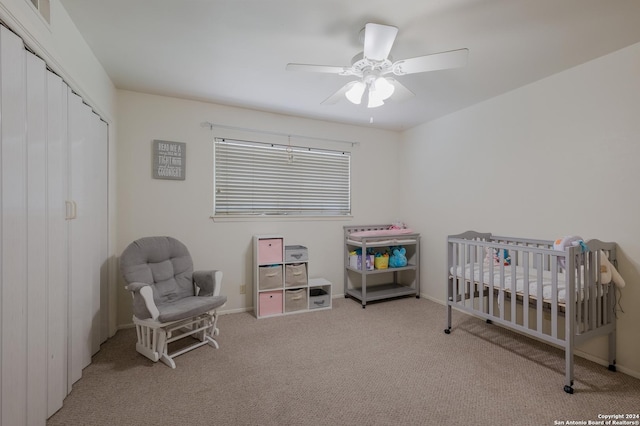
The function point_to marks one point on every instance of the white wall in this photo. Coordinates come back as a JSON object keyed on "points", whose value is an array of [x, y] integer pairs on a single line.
{"points": [[557, 157], [182, 209]]}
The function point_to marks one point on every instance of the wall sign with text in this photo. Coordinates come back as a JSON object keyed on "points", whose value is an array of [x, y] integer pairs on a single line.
{"points": [[169, 160]]}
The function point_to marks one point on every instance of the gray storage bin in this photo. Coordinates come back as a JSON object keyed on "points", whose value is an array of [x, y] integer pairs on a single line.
{"points": [[295, 274], [296, 254], [270, 277], [318, 298], [295, 300]]}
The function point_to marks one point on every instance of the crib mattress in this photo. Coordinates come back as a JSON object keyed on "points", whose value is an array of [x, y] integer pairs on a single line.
{"points": [[472, 273]]}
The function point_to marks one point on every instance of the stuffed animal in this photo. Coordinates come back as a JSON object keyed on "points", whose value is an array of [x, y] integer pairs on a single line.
{"points": [[398, 259], [397, 225], [494, 255], [609, 273], [564, 242]]}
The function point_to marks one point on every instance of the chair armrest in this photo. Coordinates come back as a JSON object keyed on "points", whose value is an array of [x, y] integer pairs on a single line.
{"points": [[135, 286], [208, 283], [143, 304]]}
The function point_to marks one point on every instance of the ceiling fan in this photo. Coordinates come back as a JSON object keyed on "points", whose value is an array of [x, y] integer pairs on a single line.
{"points": [[373, 65]]}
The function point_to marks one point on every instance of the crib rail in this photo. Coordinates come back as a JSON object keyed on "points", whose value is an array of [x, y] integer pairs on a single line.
{"points": [[528, 286]]}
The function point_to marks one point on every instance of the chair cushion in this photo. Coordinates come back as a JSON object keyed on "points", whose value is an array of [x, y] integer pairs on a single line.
{"points": [[162, 262], [189, 307]]}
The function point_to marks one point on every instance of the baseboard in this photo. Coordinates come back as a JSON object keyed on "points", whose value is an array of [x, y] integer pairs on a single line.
{"points": [[605, 363], [438, 301], [126, 326], [236, 311]]}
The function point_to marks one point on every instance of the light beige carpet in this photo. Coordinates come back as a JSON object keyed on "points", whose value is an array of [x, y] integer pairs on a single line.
{"points": [[388, 364]]}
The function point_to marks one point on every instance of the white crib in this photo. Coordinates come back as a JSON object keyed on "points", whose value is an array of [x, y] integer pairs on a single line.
{"points": [[531, 290]]}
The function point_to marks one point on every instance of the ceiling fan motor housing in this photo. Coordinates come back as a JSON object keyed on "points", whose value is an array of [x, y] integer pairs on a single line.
{"points": [[360, 66]]}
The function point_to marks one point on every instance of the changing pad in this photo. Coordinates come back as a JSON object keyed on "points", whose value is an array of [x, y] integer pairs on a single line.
{"points": [[380, 233]]}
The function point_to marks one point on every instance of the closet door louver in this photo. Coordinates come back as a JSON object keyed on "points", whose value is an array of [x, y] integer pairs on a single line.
{"points": [[13, 229], [37, 277], [81, 300], [57, 242]]}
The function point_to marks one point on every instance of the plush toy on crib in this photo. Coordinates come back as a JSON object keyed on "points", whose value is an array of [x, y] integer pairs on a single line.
{"points": [[398, 259], [494, 254], [564, 242], [608, 272]]}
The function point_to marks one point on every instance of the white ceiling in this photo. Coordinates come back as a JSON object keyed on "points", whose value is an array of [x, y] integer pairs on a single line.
{"points": [[234, 52]]}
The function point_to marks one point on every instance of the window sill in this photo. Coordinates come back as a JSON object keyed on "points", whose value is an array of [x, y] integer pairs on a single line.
{"points": [[274, 218]]}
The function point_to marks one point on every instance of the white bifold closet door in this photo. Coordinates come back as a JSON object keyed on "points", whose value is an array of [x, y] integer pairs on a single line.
{"points": [[58, 210], [88, 256], [37, 277], [53, 236], [13, 229]]}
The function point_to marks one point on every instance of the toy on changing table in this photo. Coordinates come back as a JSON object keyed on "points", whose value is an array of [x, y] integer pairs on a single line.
{"points": [[381, 261], [398, 258], [397, 224], [355, 259]]}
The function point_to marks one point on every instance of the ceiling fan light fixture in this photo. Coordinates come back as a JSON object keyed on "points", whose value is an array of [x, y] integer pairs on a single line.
{"points": [[383, 88], [354, 94], [374, 99]]}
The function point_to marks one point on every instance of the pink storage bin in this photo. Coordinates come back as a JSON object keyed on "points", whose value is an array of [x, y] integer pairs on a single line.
{"points": [[270, 303], [270, 251]]}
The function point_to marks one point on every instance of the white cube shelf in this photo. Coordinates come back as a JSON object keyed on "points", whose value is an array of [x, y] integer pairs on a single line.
{"points": [[280, 279]]}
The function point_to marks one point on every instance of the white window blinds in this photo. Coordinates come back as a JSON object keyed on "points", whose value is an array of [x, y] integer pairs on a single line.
{"points": [[253, 178]]}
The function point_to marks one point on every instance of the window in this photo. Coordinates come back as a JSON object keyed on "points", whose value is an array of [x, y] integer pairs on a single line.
{"points": [[253, 178]]}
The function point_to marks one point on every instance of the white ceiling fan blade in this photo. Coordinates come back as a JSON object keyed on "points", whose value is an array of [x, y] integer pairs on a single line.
{"points": [[378, 40], [400, 93], [434, 62], [339, 94], [317, 68]]}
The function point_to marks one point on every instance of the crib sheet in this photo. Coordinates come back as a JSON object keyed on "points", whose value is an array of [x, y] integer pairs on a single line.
{"points": [[472, 273]]}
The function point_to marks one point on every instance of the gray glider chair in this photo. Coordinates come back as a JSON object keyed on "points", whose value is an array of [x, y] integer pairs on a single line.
{"points": [[170, 300]]}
